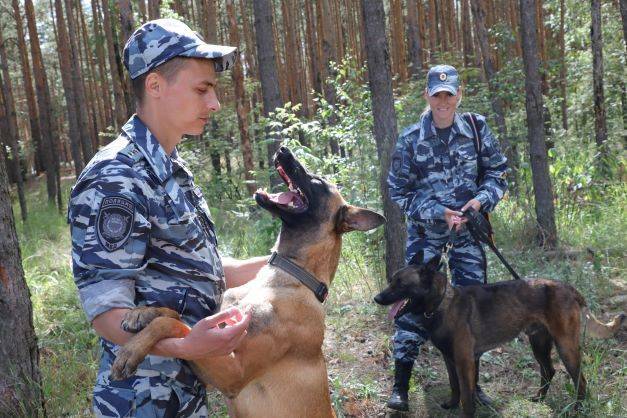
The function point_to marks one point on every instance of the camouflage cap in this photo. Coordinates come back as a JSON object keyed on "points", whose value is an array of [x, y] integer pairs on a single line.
{"points": [[442, 78], [160, 40]]}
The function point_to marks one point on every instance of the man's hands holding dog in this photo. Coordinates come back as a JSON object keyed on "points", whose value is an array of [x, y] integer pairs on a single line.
{"points": [[207, 338], [455, 219]]}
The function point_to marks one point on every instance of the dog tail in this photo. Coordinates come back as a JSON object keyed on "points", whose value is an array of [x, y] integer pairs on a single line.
{"points": [[597, 329], [592, 326]]}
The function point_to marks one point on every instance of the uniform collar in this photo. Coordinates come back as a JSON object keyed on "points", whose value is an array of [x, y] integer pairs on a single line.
{"points": [[147, 143], [460, 126]]}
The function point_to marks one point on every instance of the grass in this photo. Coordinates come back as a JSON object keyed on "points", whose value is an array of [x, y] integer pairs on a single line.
{"points": [[357, 345]]}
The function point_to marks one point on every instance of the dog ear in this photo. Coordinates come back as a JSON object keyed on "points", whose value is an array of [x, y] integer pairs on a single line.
{"points": [[351, 218], [433, 264]]}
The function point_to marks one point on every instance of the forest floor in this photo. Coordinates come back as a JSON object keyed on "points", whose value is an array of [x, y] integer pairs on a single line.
{"points": [[357, 343]]}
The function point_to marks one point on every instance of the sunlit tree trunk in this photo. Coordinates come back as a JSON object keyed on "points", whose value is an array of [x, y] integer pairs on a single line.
{"points": [[121, 112], [33, 116], [240, 102], [481, 33], [562, 43], [44, 105], [542, 187], [267, 68], [413, 39], [384, 127], [72, 105], [600, 124]]}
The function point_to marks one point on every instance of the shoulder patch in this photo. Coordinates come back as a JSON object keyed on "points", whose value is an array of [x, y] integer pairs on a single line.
{"points": [[115, 222]]}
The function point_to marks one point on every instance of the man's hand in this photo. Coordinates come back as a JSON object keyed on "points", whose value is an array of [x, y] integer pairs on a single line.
{"points": [[453, 218], [207, 339], [476, 205]]}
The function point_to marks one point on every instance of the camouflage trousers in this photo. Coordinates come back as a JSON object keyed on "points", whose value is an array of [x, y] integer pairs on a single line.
{"points": [[467, 263], [142, 401]]}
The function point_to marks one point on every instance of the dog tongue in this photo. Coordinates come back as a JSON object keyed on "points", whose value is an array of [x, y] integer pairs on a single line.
{"points": [[395, 308], [282, 198]]}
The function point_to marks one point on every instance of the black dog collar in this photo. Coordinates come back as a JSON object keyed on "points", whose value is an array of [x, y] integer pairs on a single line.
{"points": [[318, 288]]}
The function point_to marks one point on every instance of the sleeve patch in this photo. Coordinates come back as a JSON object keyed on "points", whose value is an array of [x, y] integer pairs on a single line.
{"points": [[115, 222]]}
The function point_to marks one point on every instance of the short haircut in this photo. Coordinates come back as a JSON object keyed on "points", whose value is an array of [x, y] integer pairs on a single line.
{"points": [[168, 70]]}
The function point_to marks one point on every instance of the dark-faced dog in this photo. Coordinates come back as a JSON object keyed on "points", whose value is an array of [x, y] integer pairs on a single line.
{"points": [[464, 322], [278, 370]]}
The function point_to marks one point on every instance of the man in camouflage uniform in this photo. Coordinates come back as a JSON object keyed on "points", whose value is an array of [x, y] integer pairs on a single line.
{"points": [[142, 233], [433, 178]]}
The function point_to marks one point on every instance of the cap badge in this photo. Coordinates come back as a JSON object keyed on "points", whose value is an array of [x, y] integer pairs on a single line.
{"points": [[443, 76]]}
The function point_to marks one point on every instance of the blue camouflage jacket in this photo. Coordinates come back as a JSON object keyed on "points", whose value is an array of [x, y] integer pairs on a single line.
{"points": [[427, 174], [142, 234]]}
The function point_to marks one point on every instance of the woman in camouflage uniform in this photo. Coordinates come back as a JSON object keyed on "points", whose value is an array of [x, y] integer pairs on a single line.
{"points": [[436, 174]]}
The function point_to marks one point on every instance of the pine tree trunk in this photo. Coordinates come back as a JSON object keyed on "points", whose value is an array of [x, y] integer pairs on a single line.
{"points": [[563, 68], [251, 58], [44, 105], [77, 85], [121, 114], [289, 49], [267, 68], [103, 81], [481, 33], [96, 106], [20, 380], [13, 140], [153, 9], [623, 97], [466, 34], [312, 48], [241, 102], [398, 40], [127, 23], [72, 105], [413, 39], [384, 126], [543, 189], [433, 30], [143, 13], [33, 116], [600, 124]]}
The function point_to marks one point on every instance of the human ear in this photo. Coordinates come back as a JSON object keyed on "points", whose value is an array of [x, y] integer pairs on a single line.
{"points": [[153, 85]]}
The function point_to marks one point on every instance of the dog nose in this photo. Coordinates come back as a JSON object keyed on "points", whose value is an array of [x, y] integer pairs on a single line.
{"points": [[377, 299]]}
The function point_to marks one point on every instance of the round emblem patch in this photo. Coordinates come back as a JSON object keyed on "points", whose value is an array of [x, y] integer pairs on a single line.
{"points": [[443, 76], [115, 222]]}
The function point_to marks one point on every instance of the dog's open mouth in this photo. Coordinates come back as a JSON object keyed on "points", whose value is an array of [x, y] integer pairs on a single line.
{"points": [[293, 200], [398, 308]]}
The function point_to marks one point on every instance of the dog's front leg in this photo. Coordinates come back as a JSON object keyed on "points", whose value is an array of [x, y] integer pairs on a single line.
{"points": [[465, 368], [453, 381]]}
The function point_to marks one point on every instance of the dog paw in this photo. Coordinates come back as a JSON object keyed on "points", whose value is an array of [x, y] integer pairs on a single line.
{"points": [[137, 319], [124, 365]]}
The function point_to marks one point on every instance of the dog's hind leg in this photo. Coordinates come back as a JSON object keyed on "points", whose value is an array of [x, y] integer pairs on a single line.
{"points": [[568, 349], [542, 344], [454, 382]]}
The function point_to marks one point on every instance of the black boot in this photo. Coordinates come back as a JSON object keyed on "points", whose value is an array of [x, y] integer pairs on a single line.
{"points": [[402, 374]]}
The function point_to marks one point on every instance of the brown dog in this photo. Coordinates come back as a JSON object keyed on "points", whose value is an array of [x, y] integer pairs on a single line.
{"points": [[464, 322], [278, 370]]}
